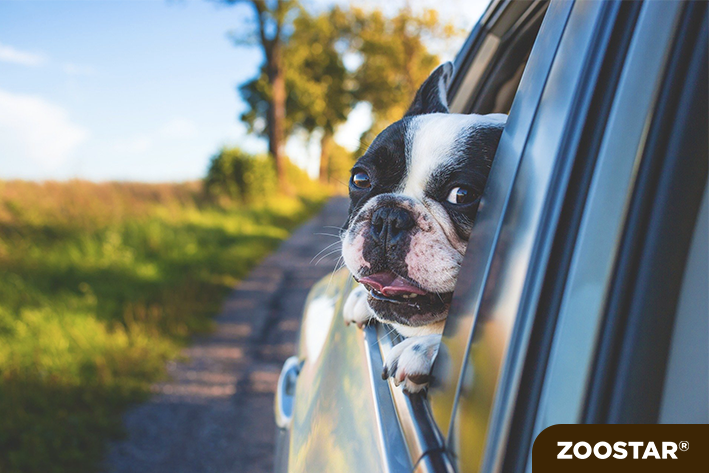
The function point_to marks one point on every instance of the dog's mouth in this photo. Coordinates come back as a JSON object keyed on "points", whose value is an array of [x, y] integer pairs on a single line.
{"points": [[389, 287]]}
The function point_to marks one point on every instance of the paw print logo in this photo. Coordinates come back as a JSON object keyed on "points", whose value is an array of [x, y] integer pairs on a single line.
{"points": [[684, 446]]}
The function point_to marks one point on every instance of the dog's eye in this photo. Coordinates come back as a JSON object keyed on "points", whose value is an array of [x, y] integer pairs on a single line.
{"points": [[460, 195], [361, 180]]}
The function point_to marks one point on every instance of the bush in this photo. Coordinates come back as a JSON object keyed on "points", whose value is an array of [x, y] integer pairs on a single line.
{"points": [[238, 175]]}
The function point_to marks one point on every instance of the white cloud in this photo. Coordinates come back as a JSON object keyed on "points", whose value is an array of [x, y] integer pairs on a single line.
{"points": [[35, 129], [179, 128], [27, 58], [16, 56]]}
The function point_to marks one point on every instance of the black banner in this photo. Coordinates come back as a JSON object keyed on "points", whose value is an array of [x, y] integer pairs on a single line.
{"points": [[622, 448]]}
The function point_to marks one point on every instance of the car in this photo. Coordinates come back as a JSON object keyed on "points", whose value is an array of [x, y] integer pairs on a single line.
{"points": [[582, 297]]}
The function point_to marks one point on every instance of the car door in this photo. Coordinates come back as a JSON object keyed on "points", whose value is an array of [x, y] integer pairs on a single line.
{"points": [[559, 135], [537, 336], [634, 253]]}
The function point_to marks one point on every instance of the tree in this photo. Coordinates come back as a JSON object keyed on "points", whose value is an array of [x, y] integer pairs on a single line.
{"points": [[319, 93], [394, 60], [321, 84], [235, 174], [271, 20]]}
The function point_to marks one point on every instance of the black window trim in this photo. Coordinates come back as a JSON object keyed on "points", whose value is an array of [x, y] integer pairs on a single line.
{"points": [[533, 13]]}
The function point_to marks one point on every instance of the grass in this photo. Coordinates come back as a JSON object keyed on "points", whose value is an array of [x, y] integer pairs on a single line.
{"points": [[100, 284]]}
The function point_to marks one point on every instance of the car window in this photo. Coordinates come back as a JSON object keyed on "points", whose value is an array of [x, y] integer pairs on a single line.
{"points": [[489, 71]]}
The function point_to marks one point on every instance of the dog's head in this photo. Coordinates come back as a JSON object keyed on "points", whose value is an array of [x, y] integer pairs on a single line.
{"points": [[413, 198]]}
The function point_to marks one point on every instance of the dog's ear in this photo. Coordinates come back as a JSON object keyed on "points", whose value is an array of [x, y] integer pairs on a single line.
{"points": [[432, 95]]}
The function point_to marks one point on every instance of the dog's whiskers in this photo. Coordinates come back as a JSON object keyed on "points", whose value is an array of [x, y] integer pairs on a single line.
{"points": [[384, 336], [338, 265], [335, 251], [327, 234], [340, 231], [323, 250]]}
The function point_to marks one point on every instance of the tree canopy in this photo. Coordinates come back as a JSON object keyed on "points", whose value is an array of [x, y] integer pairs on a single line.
{"points": [[336, 58], [395, 59]]}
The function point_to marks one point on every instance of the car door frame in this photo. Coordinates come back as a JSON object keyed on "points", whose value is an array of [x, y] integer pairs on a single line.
{"points": [[528, 209], [564, 345]]}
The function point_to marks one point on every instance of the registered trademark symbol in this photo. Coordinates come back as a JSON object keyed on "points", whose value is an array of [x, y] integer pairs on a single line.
{"points": [[684, 446]]}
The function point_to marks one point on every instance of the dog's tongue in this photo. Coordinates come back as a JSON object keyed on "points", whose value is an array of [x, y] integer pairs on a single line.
{"points": [[390, 284]]}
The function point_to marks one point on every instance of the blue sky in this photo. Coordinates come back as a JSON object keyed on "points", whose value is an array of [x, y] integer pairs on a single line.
{"points": [[125, 90]]}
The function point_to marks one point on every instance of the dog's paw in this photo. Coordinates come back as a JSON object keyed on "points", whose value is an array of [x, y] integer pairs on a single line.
{"points": [[410, 362], [356, 309]]}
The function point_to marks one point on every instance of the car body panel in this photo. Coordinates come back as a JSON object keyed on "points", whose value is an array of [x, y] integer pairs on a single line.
{"points": [[343, 416]]}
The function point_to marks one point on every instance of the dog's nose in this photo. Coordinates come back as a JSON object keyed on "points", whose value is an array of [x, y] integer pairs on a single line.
{"points": [[389, 224]]}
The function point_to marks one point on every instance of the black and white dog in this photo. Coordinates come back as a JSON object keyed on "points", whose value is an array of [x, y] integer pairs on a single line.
{"points": [[413, 198]]}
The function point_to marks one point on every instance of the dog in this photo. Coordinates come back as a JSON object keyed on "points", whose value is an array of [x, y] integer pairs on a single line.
{"points": [[414, 194]]}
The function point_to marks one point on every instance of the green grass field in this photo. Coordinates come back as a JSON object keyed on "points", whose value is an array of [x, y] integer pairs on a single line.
{"points": [[100, 284]]}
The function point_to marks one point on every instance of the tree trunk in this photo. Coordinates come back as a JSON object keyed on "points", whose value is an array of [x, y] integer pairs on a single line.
{"points": [[277, 113], [325, 150]]}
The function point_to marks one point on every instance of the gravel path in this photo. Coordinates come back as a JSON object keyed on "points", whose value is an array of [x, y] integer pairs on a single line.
{"points": [[215, 414]]}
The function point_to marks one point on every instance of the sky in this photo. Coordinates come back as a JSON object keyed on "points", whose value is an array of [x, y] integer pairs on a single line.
{"points": [[141, 90]]}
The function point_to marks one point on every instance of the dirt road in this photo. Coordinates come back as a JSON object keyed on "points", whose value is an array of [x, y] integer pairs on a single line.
{"points": [[215, 414]]}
